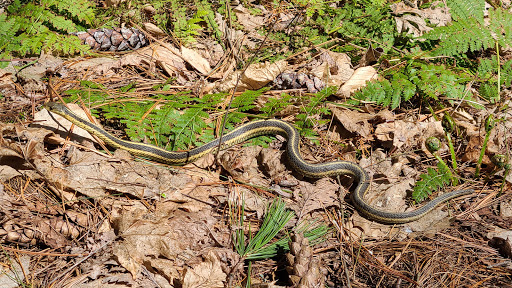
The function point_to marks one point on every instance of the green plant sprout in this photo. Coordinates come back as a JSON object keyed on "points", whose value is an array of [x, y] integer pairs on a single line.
{"points": [[501, 161], [433, 145], [489, 125], [259, 246], [434, 179], [449, 127]]}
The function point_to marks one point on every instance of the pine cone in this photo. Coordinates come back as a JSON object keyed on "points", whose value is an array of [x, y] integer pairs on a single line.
{"points": [[117, 39], [297, 81], [303, 269]]}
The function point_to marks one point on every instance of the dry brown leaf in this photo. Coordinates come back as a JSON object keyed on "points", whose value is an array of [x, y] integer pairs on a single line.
{"points": [[243, 164], [371, 56], [213, 53], [255, 77], [414, 22], [59, 125], [362, 228], [196, 60], [250, 22], [207, 274], [333, 68], [113, 3], [501, 239], [272, 162], [95, 66], [163, 237], [506, 209], [318, 196], [13, 274], [414, 25], [7, 172], [93, 175], [153, 29], [357, 122], [7, 87], [358, 80], [402, 134]]}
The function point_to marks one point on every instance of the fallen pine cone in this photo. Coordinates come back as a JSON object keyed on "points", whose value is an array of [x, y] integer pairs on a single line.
{"points": [[117, 39]]}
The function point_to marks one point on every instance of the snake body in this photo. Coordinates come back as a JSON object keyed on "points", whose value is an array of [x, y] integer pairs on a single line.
{"points": [[257, 128]]}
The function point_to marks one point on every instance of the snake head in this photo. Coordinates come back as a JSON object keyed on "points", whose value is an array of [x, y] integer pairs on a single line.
{"points": [[55, 107]]}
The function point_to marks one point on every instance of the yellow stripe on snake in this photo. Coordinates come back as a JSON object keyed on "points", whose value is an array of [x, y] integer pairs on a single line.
{"points": [[257, 128]]}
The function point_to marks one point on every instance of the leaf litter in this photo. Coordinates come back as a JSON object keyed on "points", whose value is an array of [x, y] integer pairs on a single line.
{"points": [[140, 224]]}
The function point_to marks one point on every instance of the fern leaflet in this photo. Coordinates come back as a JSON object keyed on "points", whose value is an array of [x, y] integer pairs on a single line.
{"points": [[431, 182]]}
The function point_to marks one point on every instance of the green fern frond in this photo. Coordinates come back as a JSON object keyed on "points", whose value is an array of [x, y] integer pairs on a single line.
{"points": [[39, 25], [465, 9], [460, 37], [431, 182], [430, 81], [82, 10], [501, 25], [468, 31]]}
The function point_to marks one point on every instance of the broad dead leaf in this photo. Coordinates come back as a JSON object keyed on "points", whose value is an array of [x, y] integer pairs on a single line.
{"points": [[255, 77], [357, 122], [414, 25], [358, 80], [249, 21], [7, 172], [166, 238], [413, 19], [207, 274], [195, 60], [333, 68], [59, 125], [243, 164], [318, 196], [153, 29], [402, 134]]}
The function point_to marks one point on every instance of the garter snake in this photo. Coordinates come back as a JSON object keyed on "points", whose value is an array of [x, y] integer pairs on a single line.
{"points": [[257, 128]]}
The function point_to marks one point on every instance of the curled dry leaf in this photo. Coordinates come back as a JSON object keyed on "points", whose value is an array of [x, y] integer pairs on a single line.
{"points": [[213, 53], [196, 60], [358, 123], [272, 163], [152, 28], [501, 239], [59, 125], [101, 66], [412, 24], [12, 274], [402, 134], [362, 228], [506, 209], [358, 80], [249, 21], [255, 77], [413, 19], [7, 87], [205, 274], [93, 175], [173, 240], [7, 172], [332, 68], [243, 164], [318, 196]]}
